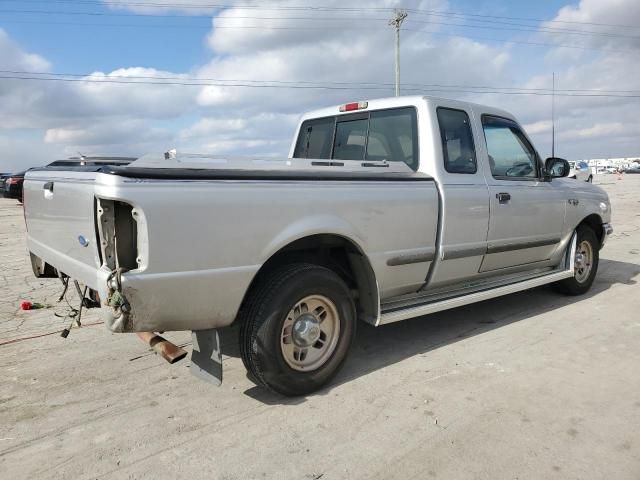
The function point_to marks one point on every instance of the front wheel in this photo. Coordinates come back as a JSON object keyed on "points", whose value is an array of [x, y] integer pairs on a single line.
{"points": [[297, 325], [586, 261]]}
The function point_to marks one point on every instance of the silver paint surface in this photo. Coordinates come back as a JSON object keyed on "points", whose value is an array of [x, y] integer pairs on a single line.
{"points": [[201, 243]]}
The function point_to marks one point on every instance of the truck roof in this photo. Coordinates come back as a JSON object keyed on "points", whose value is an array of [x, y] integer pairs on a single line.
{"points": [[402, 101]]}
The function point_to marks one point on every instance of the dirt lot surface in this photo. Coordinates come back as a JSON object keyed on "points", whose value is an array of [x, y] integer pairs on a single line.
{"points": [[531, 386]]}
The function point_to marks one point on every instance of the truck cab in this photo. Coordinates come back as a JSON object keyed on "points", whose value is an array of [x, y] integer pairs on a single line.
{"points": [[500, 213]]}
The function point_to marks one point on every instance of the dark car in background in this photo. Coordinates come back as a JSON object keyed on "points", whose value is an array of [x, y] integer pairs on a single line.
{"points": [[12, 186], [633, 169], [3, 177]]}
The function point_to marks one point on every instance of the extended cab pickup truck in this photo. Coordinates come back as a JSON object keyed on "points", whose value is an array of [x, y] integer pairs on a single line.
{"points": [[385, 210]]}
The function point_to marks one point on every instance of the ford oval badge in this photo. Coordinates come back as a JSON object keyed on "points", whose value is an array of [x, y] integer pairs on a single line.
{"points": [[83, 241]]}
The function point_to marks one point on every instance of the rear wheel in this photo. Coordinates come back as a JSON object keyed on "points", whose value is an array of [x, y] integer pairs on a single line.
{"points": [[585, 261], [297, 326]]}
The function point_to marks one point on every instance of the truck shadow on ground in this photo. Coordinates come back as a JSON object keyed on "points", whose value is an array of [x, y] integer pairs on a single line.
{"points": [[378, 347]]}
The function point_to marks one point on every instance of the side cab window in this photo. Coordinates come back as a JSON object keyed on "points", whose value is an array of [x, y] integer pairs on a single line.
{"points": [[457, 141], [511, 156]]}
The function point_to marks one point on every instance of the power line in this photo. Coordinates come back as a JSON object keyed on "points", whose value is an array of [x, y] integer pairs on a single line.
{"points": [[507, 26], [186, 6], [522, 42], [265, 84], [525, 19], [304, 82], [328, 27], [531, 28]]}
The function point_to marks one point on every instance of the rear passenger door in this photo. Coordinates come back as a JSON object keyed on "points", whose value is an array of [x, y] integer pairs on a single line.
{"points": [[465, 199], [527, 213]]}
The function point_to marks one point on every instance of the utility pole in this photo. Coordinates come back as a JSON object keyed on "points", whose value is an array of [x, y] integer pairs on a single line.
{"points": [[553, 115], [396, 22]]}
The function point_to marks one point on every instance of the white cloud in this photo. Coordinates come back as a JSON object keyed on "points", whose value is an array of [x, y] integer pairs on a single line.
{"points": [[542, 126], [613, 22], [190, 7], [14, 58]]}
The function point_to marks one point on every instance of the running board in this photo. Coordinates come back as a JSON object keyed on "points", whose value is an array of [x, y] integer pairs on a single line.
{"points": [[439, 305]]}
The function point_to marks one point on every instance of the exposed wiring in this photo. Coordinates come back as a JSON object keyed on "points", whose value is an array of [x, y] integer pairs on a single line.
{"points": [[22, 339]]}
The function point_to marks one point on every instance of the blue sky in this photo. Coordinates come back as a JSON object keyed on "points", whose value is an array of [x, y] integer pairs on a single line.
{"points": [[49, 120], [77, 44]]}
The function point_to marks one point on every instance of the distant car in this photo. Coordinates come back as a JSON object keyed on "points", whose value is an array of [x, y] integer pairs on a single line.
{"points": [[611, 170], [634, 169], [3, 177], [12, 187], [580, 171]]}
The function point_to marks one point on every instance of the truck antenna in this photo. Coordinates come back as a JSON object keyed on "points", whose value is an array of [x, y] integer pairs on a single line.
{"points": [[396, 22]]}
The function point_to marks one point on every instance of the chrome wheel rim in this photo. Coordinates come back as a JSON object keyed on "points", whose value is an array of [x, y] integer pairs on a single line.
{"points": [[584, 261], [310, 333]]}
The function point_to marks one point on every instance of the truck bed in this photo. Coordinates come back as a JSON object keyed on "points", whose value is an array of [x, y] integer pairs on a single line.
{"points": [[197, 230]]}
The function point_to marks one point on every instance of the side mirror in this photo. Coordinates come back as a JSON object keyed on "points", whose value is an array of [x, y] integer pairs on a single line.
{"points": [[556, 168]]}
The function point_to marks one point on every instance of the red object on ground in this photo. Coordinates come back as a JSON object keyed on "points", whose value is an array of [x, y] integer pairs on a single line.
{"points": [[26, 305]]}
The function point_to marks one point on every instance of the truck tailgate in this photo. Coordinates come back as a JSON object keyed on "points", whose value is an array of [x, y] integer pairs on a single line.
{"points": [[59, 213]]}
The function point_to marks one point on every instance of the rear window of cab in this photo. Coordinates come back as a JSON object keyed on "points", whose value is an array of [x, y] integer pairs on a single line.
{"points": [[381, 135]]}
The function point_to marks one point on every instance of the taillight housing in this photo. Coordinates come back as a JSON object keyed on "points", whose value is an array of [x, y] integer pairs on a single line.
{"points": [[117, 229]]}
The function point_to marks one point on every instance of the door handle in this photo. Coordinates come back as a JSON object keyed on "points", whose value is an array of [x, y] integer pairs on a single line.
{"points": [[503, 197]]}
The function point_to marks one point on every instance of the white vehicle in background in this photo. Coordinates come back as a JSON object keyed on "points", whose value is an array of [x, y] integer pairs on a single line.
{"points": [[580, 171]]}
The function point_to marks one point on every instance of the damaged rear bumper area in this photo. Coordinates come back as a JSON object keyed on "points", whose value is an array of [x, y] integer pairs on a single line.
{"points": [[142, 296]]}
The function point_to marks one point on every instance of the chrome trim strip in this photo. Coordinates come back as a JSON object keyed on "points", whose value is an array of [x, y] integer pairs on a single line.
{"points": [[454, 253], [522, 245], [419, 310], [420, 257]]}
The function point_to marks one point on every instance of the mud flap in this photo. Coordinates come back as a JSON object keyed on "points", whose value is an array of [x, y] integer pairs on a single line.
{"points": [[206, 357]]}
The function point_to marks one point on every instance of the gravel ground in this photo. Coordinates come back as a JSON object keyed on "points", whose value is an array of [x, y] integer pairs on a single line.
{"points": [[531, 386]]}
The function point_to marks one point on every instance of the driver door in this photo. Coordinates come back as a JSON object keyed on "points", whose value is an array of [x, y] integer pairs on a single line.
{"points": [[526, 213]]}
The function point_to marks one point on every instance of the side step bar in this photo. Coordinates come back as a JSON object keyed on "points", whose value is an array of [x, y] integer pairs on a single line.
{"points": [[439, 305]]}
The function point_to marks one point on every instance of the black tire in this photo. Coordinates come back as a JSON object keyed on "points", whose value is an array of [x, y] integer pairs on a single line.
{"points": [[262, 320], [574, 285]]}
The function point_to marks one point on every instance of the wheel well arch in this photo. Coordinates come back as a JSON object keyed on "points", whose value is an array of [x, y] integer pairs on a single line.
{"points": [[339, 254], [594, 221]]}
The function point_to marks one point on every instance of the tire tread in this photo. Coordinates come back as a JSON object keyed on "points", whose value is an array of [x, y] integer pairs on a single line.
{"points": [[252, 314]]}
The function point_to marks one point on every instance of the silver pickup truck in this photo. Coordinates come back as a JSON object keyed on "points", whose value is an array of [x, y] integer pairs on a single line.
{"points": [[385, 210]]}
